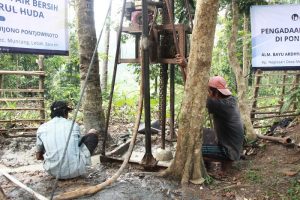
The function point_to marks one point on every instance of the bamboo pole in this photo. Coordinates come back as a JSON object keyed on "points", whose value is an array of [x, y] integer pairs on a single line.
{"points": [[21, 185]]}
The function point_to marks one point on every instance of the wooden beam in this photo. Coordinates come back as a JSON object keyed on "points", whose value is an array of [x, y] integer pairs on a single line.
{"points": [[274, 112], [274, 116], [266, 107], [21, 185], [262, 126], [278, 74], [256, 91], [21, 99], [272, 85], [16, 109], [22, 90], [31, 73], [19, 129], [21, 120]]}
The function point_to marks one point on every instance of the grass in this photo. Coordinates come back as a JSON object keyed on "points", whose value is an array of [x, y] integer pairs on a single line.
{"points": [[293, 192], [254, 176]]}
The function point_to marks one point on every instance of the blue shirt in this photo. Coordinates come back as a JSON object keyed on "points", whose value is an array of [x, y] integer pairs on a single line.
{"points": [[52, 138]]}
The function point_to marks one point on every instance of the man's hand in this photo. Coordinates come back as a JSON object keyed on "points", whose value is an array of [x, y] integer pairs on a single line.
{"points": [[39, 155], [180, 60]]}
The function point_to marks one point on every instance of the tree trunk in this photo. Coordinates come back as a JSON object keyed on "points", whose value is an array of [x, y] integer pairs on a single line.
{"points": [[241, 83], [104, 69], [188, 163], [93, 115], [246, 63]]}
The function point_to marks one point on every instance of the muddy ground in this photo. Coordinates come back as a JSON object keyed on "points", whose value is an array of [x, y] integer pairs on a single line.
{"points": [[270, 171]]}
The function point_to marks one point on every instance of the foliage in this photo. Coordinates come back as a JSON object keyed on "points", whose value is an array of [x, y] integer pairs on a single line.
{"points": [[290, 98]]}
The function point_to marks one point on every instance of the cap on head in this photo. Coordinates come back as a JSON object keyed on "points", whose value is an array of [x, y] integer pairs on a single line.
{"points": [[59, 105], [220, 84]]}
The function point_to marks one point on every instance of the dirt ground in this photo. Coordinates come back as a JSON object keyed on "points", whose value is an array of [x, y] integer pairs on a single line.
{"points": [[270, 171]]}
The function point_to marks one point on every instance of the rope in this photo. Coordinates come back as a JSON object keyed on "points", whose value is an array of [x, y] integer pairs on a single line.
{"points": [[78, 106]]}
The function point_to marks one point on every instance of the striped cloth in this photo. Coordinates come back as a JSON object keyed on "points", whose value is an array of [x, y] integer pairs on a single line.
{"points": [[215, 151]]}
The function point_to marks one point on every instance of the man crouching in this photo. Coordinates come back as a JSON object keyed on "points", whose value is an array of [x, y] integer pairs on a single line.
{"points": [[52, 138]]}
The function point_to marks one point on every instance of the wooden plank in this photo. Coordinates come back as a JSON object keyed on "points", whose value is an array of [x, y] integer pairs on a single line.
{"points": [[22, 99], [256, 90], [266, 107], [266, 97], [32, 73], [21, 185], [16, 109], [21, 120], [19, 129], [24, 135], [129, 60], [274, 116], [278, 74], [40, 63], [274, 112], [272, 85], [22, 90], [262, 126]]}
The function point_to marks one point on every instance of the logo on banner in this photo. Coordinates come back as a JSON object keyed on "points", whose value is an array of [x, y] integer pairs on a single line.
{"points": [[295, 17]]}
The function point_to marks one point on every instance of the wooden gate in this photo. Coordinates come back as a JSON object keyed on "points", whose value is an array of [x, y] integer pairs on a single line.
{"points": [[271, 89], [22, 108]]}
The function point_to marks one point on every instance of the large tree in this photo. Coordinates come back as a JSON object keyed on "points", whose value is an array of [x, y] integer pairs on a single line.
{"points": [[188, 163], [93, 115]]}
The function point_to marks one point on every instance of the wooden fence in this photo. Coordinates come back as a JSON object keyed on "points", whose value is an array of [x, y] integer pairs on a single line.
{"points": [[22, 109], [270, 90]]}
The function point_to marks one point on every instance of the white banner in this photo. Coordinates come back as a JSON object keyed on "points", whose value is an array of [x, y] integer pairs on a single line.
{"points": [[34, 26], [275, 33]]}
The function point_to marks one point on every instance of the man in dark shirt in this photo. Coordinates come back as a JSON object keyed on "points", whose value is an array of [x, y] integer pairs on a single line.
{"points": [[227, 122], [226, 140]]}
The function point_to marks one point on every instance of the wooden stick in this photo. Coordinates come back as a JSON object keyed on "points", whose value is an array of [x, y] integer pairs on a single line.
{"points": [[275, 116], [21, 120], [21, 90], [2, 195], [22, 99], [272, 85], [17, 109], [33, 73], [21, 185], [282, 140], [276, 74]]}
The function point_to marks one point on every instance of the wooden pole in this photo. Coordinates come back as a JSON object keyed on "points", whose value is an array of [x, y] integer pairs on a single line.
{"points": [[256, 90], [2, 195], [282, 90], [21, 185], [284, 140], [40, 63]]}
